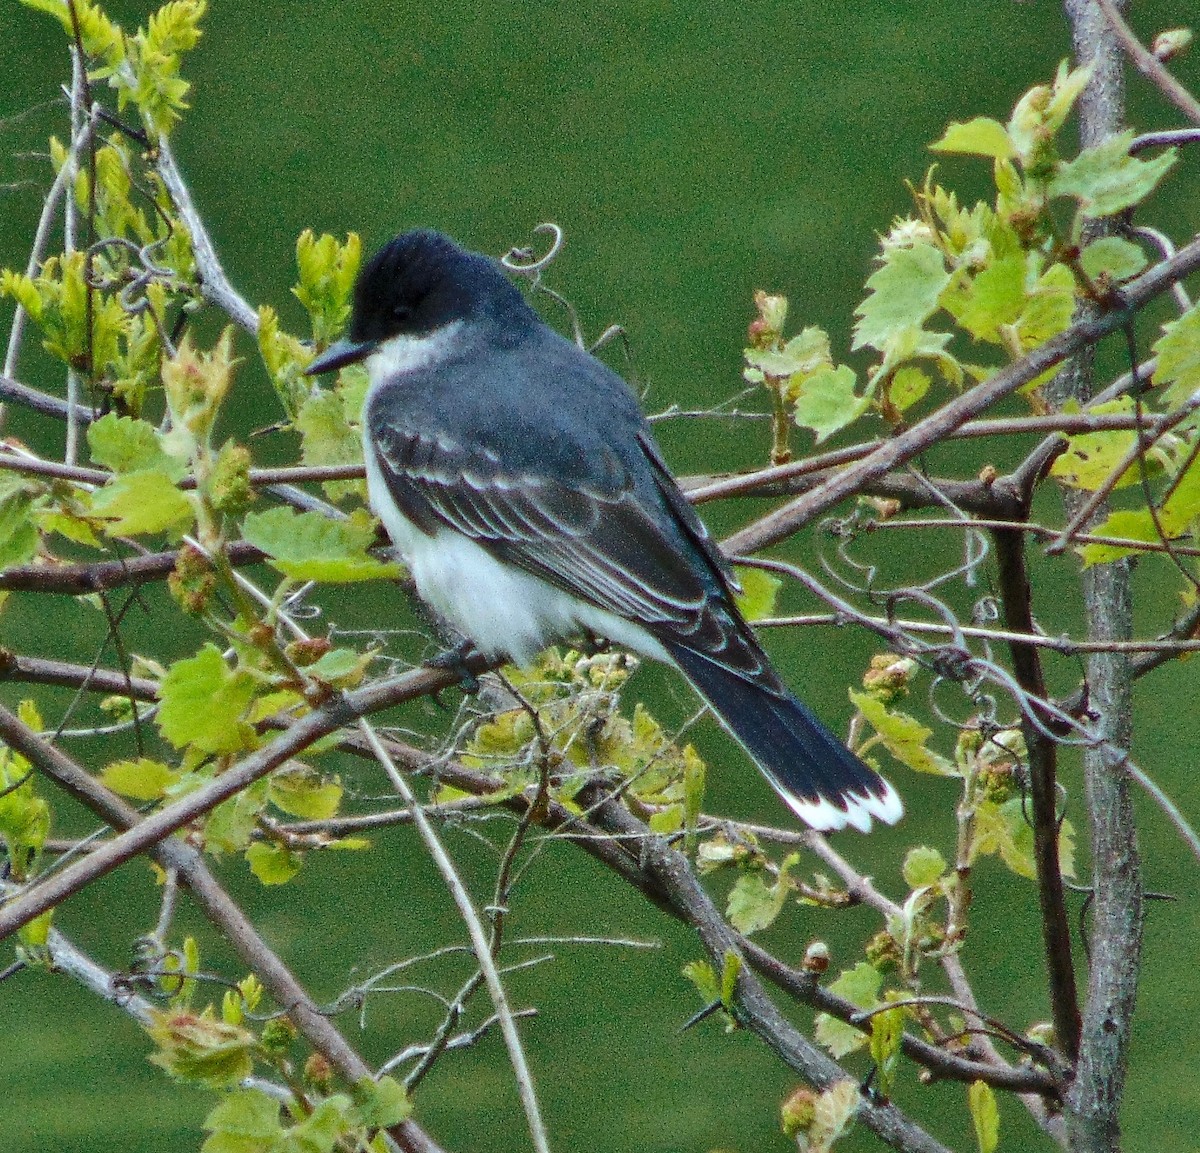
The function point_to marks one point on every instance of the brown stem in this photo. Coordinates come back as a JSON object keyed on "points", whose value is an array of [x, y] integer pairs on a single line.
{"points": [[224, 913], [1016, 597]]}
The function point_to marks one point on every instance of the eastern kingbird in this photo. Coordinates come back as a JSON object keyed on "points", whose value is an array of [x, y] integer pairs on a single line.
{"points": [[521, 485]]}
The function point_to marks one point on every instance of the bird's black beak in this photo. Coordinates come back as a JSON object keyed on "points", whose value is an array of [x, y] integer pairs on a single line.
{"points": [[340, 354]]}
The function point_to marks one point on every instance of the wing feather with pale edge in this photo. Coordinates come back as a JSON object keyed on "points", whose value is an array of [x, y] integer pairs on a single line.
{"points": [[655, 565]]}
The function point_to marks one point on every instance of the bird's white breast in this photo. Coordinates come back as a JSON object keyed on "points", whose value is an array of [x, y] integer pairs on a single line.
{"points": [[503, 609]]}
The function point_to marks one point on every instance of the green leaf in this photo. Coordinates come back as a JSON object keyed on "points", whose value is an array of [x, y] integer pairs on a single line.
{"points": [[327, 438], [1105, 179], [1004, 830], [861, 986], [731, 966], [979, 137], [760, 592], [805, 353], [203, 703], [907, 387], [1178, 352], [248, 1113], [143, 779], [905, 292], [231, 825], [704, 977], [1091, 457], [985, 1116], [1049, 308], [827, 402], [887, 1031], [126, 445], [304, 793], [923, 866], [753, 904], [1129, 524], [994, 297], [309, 546], [143, 502], [903, 736], [18, 534], [1113, 258], [273, 864], [381, 1103], [321, 1130]]}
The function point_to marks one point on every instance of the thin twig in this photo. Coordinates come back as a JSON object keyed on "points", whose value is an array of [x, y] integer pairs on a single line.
{"points": [[1149, 65]]}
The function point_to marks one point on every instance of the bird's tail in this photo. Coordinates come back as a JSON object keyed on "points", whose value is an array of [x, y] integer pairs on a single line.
{"points": [[819, 779]]}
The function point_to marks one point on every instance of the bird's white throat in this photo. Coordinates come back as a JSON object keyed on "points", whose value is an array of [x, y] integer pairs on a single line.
{"points": [[404, 353]]}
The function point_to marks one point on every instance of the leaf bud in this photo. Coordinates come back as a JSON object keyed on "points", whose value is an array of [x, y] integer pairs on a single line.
{"points": [[767, 328], [1171, 43], [309, 651], [192, 580], [318, 1072], [798, 1112], [888, 676], [277, 1036], [816, 958], [884, 952]]}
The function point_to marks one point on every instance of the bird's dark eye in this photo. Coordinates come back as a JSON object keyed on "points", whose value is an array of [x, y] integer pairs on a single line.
{"points": [[402, 312]]}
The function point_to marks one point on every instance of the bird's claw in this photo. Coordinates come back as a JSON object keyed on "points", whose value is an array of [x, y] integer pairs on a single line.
{"points": [[454, 660]]}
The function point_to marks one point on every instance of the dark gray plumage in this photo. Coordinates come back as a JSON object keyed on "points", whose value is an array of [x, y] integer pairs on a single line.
{"points": [[520, 482]]}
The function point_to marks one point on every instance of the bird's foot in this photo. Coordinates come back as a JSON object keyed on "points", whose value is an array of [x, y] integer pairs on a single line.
{"points": [[455, 660]]}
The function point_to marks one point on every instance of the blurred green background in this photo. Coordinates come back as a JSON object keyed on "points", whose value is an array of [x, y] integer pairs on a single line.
{"points": [[692, 153]]}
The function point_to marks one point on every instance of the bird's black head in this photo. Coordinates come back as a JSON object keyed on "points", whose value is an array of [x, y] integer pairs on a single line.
{"points": [[419, 282]]}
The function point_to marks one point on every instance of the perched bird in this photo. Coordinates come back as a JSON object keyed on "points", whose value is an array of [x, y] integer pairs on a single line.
{"points": [[521, 485]]}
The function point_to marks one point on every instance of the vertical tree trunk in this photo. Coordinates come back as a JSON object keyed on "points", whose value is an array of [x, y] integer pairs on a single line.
{"points": [[1094, 1099]]}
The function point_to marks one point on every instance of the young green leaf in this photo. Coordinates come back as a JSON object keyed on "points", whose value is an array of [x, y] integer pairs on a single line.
{"points": [[203, 704], [1105, 179], [979, 137], [760, 592], [380, 1104], [905, 292], [753, 904], [860, 985], [248, 1114], [826, 401], [273, 864], [923, 866], [902, 735], [1178, 352], [887, 1032], [142, 779], [1112, 258], [985, 1116], [143, 502], [126, 445], [201, 1048], [18, 534], [309, 546]]}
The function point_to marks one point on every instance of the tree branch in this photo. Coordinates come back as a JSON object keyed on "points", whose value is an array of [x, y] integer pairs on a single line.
{"points": [[1016, 598], [174, 854], [1083, 333]]}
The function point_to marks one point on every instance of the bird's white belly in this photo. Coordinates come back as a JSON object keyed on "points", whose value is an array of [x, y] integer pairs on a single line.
{"points": [[504, 610]]}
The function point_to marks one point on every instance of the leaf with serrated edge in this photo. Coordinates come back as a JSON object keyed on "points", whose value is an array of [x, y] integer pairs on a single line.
{"points": [[309, 546], [826, 402], [904, 294], [981, 136], [1178, 352]]}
